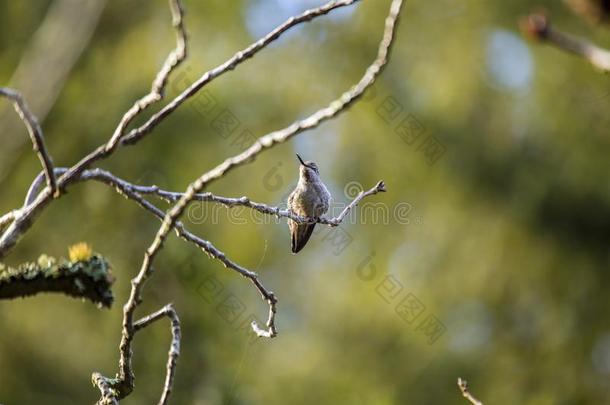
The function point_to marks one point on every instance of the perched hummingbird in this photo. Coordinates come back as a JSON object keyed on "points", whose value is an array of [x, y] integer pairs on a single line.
{"points": [[309, 199]]}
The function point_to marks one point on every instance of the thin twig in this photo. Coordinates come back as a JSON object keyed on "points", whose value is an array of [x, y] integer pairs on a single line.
{"points": [[463, 385], [136, 134], [172, 196], [158, 86], [31, 123], [538, 26], [230, 64], [335, 108]]}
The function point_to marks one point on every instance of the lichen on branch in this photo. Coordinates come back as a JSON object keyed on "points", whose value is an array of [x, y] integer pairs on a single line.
{"points": [[87, 279]]}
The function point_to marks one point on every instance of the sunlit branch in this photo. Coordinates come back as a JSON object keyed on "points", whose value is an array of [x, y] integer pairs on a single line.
{"points": [[172, 196], [231, 64], [335, 108], [538, 26]]}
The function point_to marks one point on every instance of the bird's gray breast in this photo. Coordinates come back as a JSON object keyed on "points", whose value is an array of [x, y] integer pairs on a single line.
{"points": [[311, 200]]}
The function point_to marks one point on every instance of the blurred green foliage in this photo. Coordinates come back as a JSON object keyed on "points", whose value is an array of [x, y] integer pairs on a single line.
{"points": [[504, 239]]}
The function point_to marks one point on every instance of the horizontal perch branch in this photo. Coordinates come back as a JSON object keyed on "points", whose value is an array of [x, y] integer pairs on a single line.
{"points": [[171, 196]]}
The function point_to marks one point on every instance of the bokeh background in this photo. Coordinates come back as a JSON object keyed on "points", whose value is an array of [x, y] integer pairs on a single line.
{"points": [[487, 258]]}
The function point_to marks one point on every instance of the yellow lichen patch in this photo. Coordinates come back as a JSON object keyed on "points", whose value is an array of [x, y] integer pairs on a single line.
{"points": [[80, 252]]}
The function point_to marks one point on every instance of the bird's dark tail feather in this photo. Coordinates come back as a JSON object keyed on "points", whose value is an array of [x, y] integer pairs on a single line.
{"points": [[300, 236]]}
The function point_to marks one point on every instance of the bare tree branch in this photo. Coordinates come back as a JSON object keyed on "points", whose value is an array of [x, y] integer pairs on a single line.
{"points": [[35, 134], [230, 64], [537, 26], [158, 86], [126, 189], [335, 108], [172, 196], [132, 192], [136, 134], [463, 385]]}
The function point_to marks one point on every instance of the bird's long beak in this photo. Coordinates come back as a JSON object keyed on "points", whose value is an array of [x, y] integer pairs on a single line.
{"points": [[301, 160]]}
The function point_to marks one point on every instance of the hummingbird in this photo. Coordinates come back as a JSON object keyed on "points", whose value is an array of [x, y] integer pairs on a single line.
{"points": [[309, 199]]}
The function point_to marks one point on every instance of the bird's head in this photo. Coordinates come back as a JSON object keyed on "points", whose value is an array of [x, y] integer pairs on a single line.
{"points": [[308, 169]]}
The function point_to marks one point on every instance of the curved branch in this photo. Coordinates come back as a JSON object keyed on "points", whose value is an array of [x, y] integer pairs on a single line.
{"points": [[335, 108], [21, 220], [241, 56], [136, 134], [158, 86]]}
